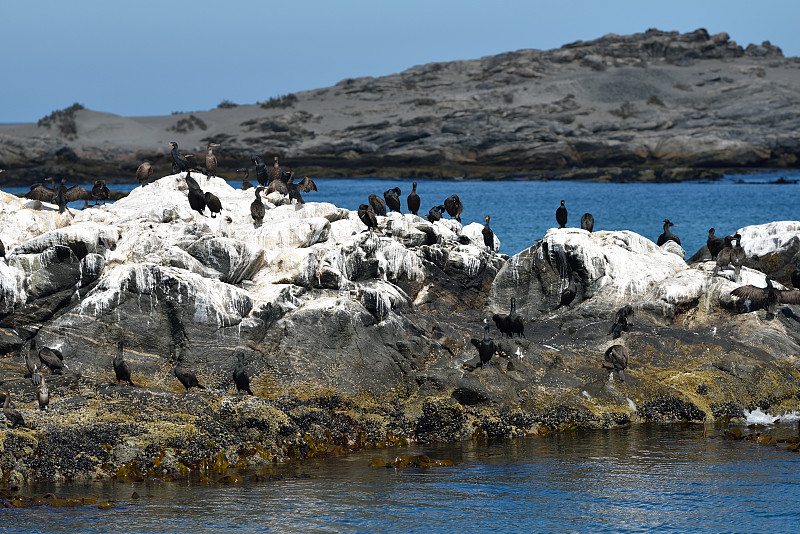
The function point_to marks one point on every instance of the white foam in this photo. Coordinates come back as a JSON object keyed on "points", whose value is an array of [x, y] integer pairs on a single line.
{"points": [[758, 417]]}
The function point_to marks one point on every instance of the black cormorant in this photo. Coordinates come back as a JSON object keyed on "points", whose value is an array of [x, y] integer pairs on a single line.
{"points": [[66, 195], [186, 377], [307, 185], [100, 192], [561, 215], [257, 209], [377, 204], [767, 297], [514, 320], [485, 346], [587, 222], [667, 235], [488, 235], [213, 203], [279, 186], [144, 172], [245, 181], [178, 161], [623, 321], [413, 199], [12, 415], [211, 161], [197, 200], [240, 377], [392, 197], [52, 359], [44, 393], [294, 189], [569, 292], [121, 368], [715, 244], [42, 193], [262, 175], [275, 172], [617, 356], [32, 361], [454, 207], [367, 216], [435, 213]]}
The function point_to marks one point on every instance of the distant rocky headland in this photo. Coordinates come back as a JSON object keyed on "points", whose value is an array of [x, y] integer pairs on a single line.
{"points": [[650, 106]]}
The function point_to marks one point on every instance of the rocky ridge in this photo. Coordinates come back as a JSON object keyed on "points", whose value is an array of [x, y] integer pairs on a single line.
{"points": [[356, 339], [650, 106]]}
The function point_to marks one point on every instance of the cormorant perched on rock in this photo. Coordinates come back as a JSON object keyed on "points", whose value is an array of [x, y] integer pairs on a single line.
{"points": [[796, 278], [121, 368], [413, 199], [240, 377], [52, 358], [392, 197], [294, 189], [178, 161], [32, 361], [587, 222], [715, 244], [65, 196], [42, 193], [569, 292], [617, 356], [278, 185], [454, 207], [211, 161], [367, 216], [623, 321], [561, 215], [488, 235], [501, 322], [245, 181], [262, 175], [514, 320], [144, 172], [186, 377], [667, 235], [100, 192], [485, 346], [435, 213], [44, 394], [197, 200], [733, 254], [307, 185], [767, 297], [275, 172], [257, 209], [377, 205], [12, 415], [213, 203]]}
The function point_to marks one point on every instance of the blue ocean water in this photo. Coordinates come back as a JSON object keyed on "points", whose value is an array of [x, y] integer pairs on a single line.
{"points": [[641, 479], [522, 211]]}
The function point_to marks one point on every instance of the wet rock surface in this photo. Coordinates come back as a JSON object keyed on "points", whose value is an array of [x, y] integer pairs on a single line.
{"points": [[357, 339]]}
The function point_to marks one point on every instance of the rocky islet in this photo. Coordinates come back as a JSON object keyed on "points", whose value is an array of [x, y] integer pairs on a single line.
{"points": [[353, 338]]}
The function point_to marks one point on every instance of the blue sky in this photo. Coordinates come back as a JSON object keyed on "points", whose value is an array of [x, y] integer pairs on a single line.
{"points": [[155, 57]]}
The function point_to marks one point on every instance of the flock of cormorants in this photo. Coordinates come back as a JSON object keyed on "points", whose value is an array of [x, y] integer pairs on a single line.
{"points": [[727, 252]]}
